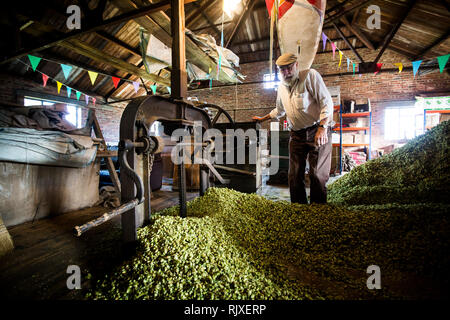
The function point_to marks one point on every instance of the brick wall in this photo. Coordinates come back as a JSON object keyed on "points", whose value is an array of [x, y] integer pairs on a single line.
{"points": [[381, 89]]}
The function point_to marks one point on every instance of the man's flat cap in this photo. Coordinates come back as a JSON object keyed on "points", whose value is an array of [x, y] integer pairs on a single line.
{"points": [[286, 59]]}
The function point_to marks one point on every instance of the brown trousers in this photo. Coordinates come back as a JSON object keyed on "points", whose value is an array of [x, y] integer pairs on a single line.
{"points": [[301, 148]]}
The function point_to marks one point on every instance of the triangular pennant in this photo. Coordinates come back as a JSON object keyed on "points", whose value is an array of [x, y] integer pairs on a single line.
{"points": [[93, 75], [78, 94], [136, 86], [115, 80], [34, 61], [348, 64], [416, 65], [378, 69], [340, 58], [58, 85], [153, 87], [66, 70], [94, 100], [353, 69], [170, 90], [69, 91], [333, 46], [44, 79], [86, 98], [442, 60], [324, 41], [400, 66]]}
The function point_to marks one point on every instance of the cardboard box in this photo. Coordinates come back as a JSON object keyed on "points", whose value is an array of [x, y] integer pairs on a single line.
{"points": [[347, 138], [444, 117], [335, 138], [361, 138]]}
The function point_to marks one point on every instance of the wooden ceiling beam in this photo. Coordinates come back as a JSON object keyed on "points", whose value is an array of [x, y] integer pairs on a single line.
{"points": [[73, 34], [240, 20], [361, 60], [195, 14], [102, 57], [328, 21], [394, 30], [358, 33], [208, 19], [336, 7], [436, 43]]}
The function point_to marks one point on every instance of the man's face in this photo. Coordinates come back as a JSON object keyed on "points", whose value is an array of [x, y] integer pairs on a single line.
{"points": [[288, 72]]}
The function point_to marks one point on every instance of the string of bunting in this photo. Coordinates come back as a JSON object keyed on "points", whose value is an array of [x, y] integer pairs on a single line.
{"points": [[66, 69], [442, 60]]}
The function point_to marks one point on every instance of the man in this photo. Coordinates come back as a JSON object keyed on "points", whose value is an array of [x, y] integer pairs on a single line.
{"points": [[307, 104]]}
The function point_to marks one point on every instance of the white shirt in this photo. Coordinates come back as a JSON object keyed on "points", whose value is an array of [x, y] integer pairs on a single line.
{"points": [[307, 103]]}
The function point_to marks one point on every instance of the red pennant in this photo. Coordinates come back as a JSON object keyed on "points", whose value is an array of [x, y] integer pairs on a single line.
{"points": [[115, 81], [44, 79], [378, 68], [93, 100]]}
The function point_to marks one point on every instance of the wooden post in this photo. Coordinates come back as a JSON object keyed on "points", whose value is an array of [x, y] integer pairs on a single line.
{"points": [[178, 76]]}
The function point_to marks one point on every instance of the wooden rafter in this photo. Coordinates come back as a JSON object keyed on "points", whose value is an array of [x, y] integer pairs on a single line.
{"points": [[348, 43], [240, 20], [100, 56], [433, 45], [337, 16], [178, 76], [394, 30], [195, 14], [336, 7], [112, 21], [208, 19], [358, 33]]}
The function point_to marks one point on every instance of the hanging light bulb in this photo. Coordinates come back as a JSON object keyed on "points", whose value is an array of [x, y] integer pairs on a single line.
{"points": [[230, 6]]}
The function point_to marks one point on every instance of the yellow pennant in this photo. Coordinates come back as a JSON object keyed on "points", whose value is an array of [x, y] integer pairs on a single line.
{"points": [[340, 58], [93, 75], [400, 66], [59, 85]]}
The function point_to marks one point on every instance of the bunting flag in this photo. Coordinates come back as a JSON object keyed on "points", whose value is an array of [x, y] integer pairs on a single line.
{"points": [[115, 80], [69, 91], [340, 58], [58, 85], [442, 60], [136, 86], [66, 70], [153, 87], [93, 75], [170, 90], [324, 40], [44, 79], [379, 65], [94, 100], [333, 46], [400, 66], [348, 64], [416, 65], [78, 94], [353, 69], [34, 61], [86, 98]]}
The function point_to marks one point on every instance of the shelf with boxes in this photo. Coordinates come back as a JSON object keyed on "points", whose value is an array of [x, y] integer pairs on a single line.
{"points": [[432, 117], [353, 130]]}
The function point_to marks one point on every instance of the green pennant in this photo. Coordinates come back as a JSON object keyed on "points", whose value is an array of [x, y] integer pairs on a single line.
{"points": [[442, 60], [34, 61], [153, 86], [78, 93]]}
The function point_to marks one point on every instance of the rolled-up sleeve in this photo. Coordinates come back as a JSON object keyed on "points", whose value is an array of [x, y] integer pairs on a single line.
{"points": [[278, 111], [321, 94]]}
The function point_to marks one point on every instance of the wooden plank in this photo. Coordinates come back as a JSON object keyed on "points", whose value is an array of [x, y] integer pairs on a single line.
{"points": [[348, 43], [394, 30], [342, 13], [195, 14], [241, 20], [435, 43], [358, 33], [100, 56], [163, 5], [178, 75]]}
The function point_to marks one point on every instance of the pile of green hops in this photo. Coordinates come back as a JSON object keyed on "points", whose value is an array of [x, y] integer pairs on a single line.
{"points": [[418, 172], [242, 246]]}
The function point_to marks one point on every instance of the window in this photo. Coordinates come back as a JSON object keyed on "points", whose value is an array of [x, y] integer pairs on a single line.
{"points": [[74, 115], [404, 122], [269, 81]]}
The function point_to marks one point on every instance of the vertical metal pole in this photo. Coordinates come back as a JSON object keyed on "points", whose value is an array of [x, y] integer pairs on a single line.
{"points": [[182, 183]]}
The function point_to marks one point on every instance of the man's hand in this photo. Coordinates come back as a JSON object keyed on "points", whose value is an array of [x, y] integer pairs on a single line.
{"points": [[256, 118], [321, 137]]}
